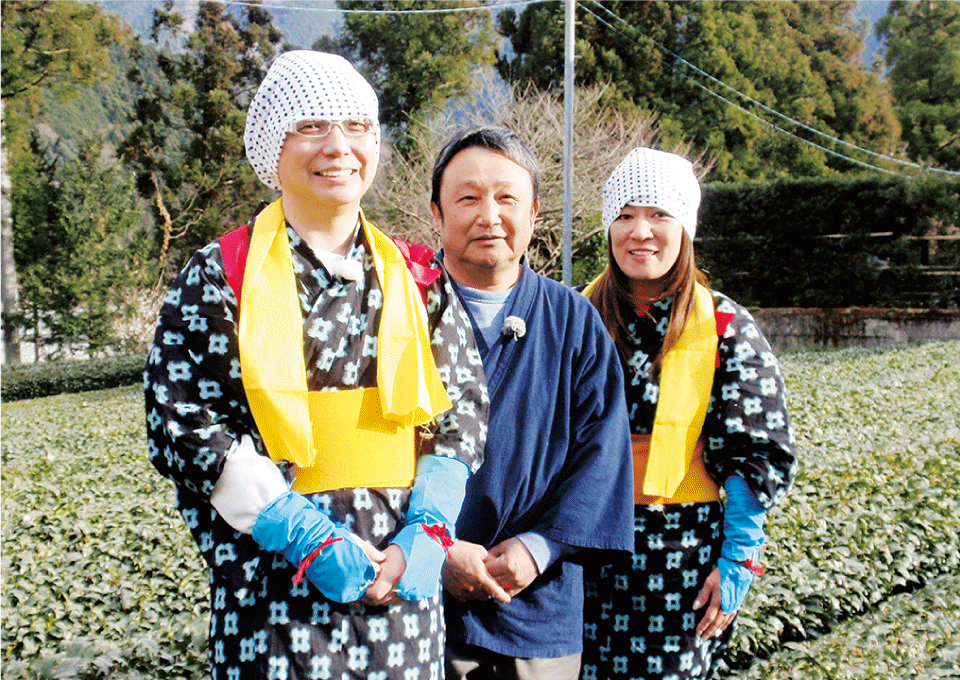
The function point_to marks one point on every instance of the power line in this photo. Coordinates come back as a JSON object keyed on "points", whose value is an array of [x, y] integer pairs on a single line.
{"points": [[500, 4], [760, 104], [749, 113]]}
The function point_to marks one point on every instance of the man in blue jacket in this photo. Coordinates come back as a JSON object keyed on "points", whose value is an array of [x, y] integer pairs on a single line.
{"points": [[556, 486]]}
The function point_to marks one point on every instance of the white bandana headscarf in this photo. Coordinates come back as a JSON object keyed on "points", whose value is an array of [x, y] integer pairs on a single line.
{"points": [[656, 179], [302, 84]]}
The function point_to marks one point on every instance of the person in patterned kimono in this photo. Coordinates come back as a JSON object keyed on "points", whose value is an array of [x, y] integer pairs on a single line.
{"points": [[554, 491], [318, 408], [707, 411]]}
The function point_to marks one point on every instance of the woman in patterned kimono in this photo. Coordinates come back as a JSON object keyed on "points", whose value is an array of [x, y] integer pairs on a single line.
{"points": [[318, 408], [707, 410]]}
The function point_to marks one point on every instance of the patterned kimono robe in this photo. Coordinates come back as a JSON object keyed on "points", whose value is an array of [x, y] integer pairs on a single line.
{"points": [[261, 625], [639, 617]]}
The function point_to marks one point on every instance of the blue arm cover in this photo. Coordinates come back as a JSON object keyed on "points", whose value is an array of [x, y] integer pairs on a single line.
{"points": [[294, 527], [743, 519], [435, 500]]}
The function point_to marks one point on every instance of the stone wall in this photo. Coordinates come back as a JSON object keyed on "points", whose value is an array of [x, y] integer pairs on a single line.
{"points": [[799, 328]]}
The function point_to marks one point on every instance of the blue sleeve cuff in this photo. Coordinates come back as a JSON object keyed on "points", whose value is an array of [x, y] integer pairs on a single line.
{"points": [[743, 519], [325, 553], [735, 581], [435, 502], [438, 490]]}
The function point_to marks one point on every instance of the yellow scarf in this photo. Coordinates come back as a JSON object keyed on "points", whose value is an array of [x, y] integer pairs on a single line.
{"points": [[271, 343], [686, 380]]}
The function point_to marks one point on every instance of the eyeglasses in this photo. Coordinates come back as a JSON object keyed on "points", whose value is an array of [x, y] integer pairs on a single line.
{"points": [[351, 127]]}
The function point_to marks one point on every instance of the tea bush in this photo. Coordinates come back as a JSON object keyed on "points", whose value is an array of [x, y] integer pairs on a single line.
{"points": [[876, 504], [102, 580], [100, 577], [908, 635]]}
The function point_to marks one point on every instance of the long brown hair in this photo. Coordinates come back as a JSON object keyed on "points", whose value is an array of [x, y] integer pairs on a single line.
{"points": [[613, 298]]}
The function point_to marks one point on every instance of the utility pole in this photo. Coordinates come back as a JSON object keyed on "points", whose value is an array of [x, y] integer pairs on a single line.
{"points": [[10, 294]]}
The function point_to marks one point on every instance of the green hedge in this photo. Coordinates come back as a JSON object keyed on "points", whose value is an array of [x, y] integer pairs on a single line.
{"points": [[102, 580], [29, 381], [775, 244]]}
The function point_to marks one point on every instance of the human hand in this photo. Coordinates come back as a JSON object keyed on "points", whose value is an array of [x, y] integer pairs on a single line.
{"points": [[376, 556], [714, 620], [390, 568], [511, 565], [465, 574]]}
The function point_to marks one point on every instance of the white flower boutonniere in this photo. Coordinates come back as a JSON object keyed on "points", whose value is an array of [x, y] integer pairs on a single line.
{"points": [[348, 269], [514, 327]]}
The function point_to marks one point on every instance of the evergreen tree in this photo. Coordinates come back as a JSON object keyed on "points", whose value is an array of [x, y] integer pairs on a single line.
{"points": [[45, 45], [416, 59], [81, 247], [59, 45], [921, 43], [187, 143], [798, 58], [35, 223]]}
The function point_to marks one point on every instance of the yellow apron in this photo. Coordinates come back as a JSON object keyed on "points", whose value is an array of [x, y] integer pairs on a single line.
{"points": [[664, 460], [697, 486], [345, 439]]}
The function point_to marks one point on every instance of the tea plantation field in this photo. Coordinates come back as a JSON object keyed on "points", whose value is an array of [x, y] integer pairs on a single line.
{"points": [[100, 578]]}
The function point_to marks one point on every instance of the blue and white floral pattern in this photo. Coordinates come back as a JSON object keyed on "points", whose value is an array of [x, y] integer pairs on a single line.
{"points": [[639, 618], [263, 626]]}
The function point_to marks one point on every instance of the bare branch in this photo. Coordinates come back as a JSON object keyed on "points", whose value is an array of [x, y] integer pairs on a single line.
{"points": [[166, 224], [602, 138]]}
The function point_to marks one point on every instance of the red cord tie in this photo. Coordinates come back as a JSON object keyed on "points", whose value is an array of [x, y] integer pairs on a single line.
{"points": [[439, 533], [753, 567], [311, 557]]}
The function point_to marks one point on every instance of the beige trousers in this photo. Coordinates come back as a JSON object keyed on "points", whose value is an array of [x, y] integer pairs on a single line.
{"points": [[467, 662]]}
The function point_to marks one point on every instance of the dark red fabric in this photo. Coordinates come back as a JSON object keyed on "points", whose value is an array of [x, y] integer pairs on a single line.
{"points": [[235, 246], [418, 259], [723, 320]]}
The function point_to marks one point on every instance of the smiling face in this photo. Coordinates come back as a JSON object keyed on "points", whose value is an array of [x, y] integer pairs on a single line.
{"points": [[646, 243], [485, 218], [329, 173]]}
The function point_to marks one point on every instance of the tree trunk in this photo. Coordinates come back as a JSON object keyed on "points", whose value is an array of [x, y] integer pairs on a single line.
{"points": [[8, 282]]}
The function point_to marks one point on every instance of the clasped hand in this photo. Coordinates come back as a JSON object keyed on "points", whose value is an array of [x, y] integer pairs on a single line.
{"points": [[473, 573], [390, 565]]}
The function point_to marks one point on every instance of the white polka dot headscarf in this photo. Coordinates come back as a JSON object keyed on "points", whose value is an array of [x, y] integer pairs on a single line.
{"points": [[657, 179], [302, 84]]}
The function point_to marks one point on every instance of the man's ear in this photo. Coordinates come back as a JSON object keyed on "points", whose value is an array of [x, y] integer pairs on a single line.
{"points": [[437, 216], [536, 213]]}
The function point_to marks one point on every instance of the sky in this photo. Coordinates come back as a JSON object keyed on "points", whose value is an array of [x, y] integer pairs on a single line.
{"points": [[871, 10]]}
